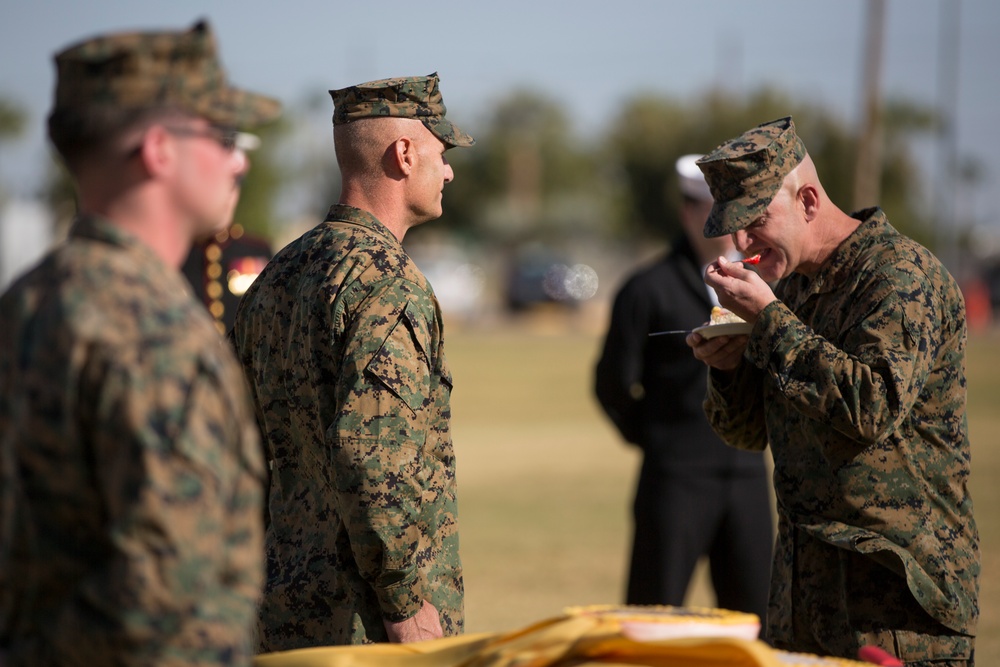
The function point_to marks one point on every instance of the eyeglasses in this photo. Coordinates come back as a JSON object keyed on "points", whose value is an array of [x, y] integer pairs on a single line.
{"points": [[229, 139]]}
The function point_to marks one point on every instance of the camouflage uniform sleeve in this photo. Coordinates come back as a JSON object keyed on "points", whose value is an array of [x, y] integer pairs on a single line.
{"points": [[734, 407], [866, 383], [377, 438], [181, 476]]}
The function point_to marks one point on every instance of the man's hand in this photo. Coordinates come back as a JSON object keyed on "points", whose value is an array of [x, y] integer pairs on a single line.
{"points": [[722, 352], [740, 290], [425, 624]]}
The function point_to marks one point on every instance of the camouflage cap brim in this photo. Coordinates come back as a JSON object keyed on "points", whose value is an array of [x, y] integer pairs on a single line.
{"points": [[448, 132], [731, 216], [238, 108], [149, 70]]}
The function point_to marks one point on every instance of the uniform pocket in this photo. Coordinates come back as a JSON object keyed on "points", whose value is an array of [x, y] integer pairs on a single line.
{"points": [[400, 364]]}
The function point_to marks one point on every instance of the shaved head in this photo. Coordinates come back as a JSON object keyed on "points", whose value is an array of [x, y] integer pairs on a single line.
{"points": [[361, 145], [803, 173]]}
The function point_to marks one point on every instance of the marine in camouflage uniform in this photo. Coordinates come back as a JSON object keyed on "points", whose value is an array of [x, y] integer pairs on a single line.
{"points": [[855, 376], [341, 341], [130, 505]]}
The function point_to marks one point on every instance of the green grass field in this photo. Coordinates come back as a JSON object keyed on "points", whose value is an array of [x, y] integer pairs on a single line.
{"points": [[545, 484]]}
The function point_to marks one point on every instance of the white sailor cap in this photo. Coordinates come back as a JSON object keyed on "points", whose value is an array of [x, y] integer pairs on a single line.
{"points": [[691, 180]]}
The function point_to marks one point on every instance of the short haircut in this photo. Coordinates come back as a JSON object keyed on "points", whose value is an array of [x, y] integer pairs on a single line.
{"points": [[92, 132], [361, 145]]}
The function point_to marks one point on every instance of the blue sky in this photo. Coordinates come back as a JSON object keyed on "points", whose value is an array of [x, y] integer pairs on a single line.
{"points": [[590, 55]]}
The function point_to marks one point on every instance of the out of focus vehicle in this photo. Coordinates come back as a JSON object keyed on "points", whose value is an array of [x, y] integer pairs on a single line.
{"points": [[538, 275]]}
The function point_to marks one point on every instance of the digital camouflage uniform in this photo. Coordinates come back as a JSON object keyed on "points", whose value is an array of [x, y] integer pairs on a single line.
{"points": [[130, 525], [341, 340], [856, 379], [131, 474]]}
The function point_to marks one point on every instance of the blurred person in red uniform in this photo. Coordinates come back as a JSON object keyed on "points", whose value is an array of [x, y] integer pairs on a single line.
{"points": [[222, 267]]}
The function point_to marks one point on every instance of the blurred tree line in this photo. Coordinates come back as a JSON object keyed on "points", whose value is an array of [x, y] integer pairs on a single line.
{"points": [[12, 122], [530, 177], [12, 119]]}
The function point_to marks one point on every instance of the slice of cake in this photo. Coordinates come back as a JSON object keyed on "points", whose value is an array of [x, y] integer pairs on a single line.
{"points": [[722, 316]]}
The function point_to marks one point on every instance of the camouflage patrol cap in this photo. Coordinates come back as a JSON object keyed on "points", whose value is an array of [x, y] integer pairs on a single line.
{"points": [[745, 173], [404, 97], [148, 70]]}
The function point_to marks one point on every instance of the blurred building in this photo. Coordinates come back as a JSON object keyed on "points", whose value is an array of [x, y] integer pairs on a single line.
{"points": [[26, 233], [222, 268]]}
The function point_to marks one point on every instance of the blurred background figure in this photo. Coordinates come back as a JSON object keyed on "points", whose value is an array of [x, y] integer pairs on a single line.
{"points": [[695, 496], [222, 267]]}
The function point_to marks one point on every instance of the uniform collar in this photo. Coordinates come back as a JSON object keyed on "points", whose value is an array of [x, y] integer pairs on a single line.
{"points": [[874, 225], [357, 216], [101, 230], [98, 228]]}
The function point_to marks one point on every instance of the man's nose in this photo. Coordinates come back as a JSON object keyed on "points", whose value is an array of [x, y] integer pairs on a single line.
{"points": [[241, 162]]}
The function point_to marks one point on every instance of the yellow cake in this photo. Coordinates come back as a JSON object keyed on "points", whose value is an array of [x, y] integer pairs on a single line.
{"points": [[647, 623], [722, 316], [662, 622]]}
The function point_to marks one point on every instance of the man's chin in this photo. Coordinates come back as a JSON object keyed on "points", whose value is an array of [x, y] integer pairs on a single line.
{"points": [[210, 231]]}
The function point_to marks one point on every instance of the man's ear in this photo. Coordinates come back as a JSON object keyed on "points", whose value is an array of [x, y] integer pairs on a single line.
{"points": [[809, 199], [405, 153], [157, 150]]}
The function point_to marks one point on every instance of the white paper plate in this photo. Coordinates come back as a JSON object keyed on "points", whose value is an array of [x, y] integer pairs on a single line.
{"points": [[646, 632], [728, 329]]}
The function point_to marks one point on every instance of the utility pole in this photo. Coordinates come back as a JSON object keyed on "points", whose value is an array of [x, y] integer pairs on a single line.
{"points": [[947, 160], [868, 167]]}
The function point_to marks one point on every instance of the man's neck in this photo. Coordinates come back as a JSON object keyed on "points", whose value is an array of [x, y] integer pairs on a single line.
{"points": [[385, 208], [837, 229], [149, 222]]}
